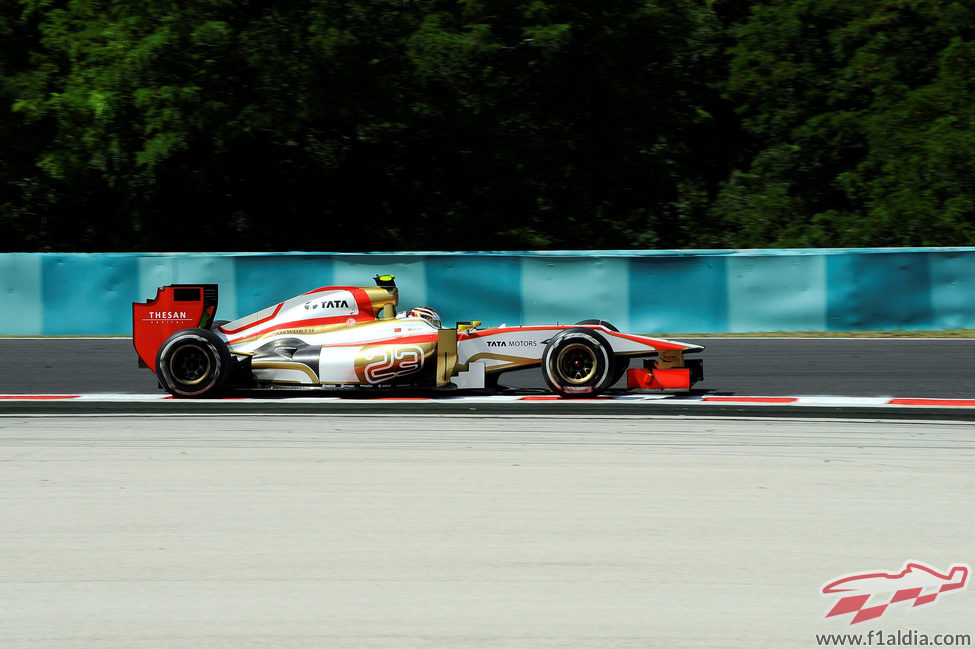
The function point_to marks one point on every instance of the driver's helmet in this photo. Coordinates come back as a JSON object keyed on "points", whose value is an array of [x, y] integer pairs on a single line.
{"points": [[426, 313]]}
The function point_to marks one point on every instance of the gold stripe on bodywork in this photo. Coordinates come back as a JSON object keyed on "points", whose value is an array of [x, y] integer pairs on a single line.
{"points": [[379, 297], [392, 359], [311, 331], [304, 331], [509, 361], [667, 358], [446, 355]]}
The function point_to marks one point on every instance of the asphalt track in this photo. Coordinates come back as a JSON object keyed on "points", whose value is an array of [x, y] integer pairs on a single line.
{"points": [[865, 369], [919, 367], [429, 532], [546, 529]]}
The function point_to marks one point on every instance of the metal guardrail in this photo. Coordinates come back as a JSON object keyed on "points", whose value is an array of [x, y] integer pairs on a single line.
{"points": [[700, 291]]}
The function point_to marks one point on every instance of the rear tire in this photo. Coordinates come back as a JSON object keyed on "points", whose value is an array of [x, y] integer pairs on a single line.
{"points": [[193, 363], [578, 363]]}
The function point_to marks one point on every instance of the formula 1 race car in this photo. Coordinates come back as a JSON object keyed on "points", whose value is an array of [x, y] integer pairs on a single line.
{"points": [[345, 336]]}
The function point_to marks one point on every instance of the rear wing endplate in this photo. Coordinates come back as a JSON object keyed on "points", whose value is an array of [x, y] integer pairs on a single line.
{"points": [[175, 307]]}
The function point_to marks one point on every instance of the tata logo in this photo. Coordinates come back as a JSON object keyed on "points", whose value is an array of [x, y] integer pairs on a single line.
{"points": [[512, 343], [327, 304]]}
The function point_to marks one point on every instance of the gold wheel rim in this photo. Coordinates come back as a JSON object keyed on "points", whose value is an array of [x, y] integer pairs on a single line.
{"points": [[190, 365], [576, 364]]}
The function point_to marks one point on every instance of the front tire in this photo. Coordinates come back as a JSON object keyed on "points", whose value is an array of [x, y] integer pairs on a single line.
{"points": [[578, 363], [620, 363], [193, 363], [593, 321]]}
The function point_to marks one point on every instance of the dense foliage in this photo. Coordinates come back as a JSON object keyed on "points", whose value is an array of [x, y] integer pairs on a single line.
{"points": [[485, 124]]}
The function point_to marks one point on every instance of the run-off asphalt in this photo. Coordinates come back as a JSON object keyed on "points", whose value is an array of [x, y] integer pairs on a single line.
{"points": [[389, 531]]}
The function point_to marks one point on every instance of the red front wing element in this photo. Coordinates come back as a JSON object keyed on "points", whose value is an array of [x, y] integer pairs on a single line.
{"points": [[175, 307], [670, 378]]}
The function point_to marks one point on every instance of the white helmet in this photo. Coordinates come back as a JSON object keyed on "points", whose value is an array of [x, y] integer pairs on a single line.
{"points": [[426, 313]]}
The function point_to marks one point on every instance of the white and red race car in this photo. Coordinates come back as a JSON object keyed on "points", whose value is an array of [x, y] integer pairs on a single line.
{"points": [[346, 336]]}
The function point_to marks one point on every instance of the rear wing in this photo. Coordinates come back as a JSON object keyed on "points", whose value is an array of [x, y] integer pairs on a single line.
{"points": [[175, 307]]}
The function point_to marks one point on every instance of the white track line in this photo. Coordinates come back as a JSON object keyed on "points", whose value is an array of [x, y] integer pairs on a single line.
{"points": [[703, 401]]}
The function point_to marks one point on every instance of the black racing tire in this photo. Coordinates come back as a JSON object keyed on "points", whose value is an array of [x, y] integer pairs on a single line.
{"points": [[193, 363], [620, 363], [593, 321], [578, 363]]}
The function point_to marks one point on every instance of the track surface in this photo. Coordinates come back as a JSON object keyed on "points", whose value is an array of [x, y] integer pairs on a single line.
{"points": [[937, 368], [620, 533]]}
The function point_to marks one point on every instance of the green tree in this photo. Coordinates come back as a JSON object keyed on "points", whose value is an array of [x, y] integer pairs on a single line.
{"points": [[23, 192], [579, 122], [860, 112], [369, 124]]}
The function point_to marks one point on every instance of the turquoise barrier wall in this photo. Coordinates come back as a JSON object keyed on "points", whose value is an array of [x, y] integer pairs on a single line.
{"points": [[701, 291]]}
